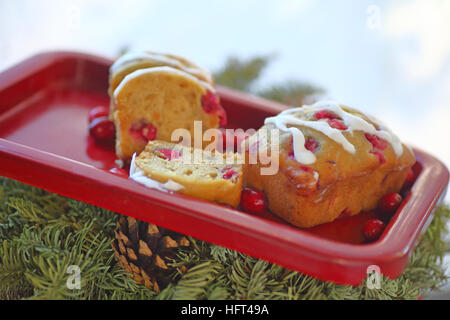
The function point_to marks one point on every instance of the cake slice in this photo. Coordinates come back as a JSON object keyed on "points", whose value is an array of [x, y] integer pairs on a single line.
{"points": [[133, 61], [165, 166], [152, 103]]}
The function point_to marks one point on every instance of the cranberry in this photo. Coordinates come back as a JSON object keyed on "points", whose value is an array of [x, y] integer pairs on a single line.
{"points": [[380, 156], [98, 112], [325, 114], [142, 130], [253, 201], [376, 141], [211, 104], [409, 181], [229, 174], [337, 124], [149, 132], [390, 203], [170, 154], [102, 129], [306, 169], [312, 145], [373, 229], [119, 172]]}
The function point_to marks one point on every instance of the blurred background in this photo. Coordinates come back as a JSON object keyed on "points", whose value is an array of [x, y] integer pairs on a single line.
{"points": [[390, 58]]}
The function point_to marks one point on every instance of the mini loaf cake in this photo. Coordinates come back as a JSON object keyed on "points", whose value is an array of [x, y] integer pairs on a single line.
{"points": [[150, 101], [334, 161], [215, 177]]}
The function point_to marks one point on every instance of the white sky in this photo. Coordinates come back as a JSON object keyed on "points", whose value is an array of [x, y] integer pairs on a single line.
{"points": [[390, 58]]}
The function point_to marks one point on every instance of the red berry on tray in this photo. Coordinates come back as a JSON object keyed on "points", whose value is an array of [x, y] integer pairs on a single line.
{"points": [[98, 112], [119, 172], [253, 201], [373, 229], [390, 203], [102, 129], [409, 181]]}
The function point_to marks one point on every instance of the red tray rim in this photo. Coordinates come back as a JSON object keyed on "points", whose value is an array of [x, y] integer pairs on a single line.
{"points": [[393, 247]]}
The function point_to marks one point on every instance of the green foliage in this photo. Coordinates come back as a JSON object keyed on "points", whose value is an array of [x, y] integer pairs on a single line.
{"points": [[292, 93], [40, 240], [242, 74]]}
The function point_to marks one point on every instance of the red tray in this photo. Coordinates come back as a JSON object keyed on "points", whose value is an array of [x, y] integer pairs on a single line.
{"points": [[44, 102]]}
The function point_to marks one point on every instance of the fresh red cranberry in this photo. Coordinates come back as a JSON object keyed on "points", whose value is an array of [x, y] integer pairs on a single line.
{"points": [[380, 156], [119, 172], [312, 145], [149, 132], [144, 131], [390, 203], [170, 154], [211, 104], [253, 201], [229, 174], [325, 114], [409, 181], [376, 141], [102, 129], [337, 124], [373, 229], [98, 112]]}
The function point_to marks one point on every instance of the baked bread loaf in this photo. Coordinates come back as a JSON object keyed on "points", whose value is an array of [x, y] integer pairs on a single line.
{"points": [[150, 101], [215, 177], [133, 61], [334, 161]]}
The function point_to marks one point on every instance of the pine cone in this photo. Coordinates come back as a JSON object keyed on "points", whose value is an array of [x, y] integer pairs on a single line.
{"points": [[143, 249]]}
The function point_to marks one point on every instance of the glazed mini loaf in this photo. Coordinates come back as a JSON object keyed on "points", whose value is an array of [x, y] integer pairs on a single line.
{"points": [[215, 177], [334, 161], [150, 101]]}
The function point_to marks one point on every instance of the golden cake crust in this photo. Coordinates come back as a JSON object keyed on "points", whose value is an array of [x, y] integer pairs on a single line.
{"points": [[337, 182]]}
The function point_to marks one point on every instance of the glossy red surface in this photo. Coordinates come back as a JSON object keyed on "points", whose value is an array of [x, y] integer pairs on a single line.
{"points": [[44, 141]]}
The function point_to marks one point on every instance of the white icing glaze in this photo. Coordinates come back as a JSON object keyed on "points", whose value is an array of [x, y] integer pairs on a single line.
{"points": [[296, 116], [139, 176], [132, 57], [140, 72]]}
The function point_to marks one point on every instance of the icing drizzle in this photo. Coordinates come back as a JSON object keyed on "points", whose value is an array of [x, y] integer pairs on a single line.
{"points": [[132, 57], [139, 176], [297, 117], [140, 72]]}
